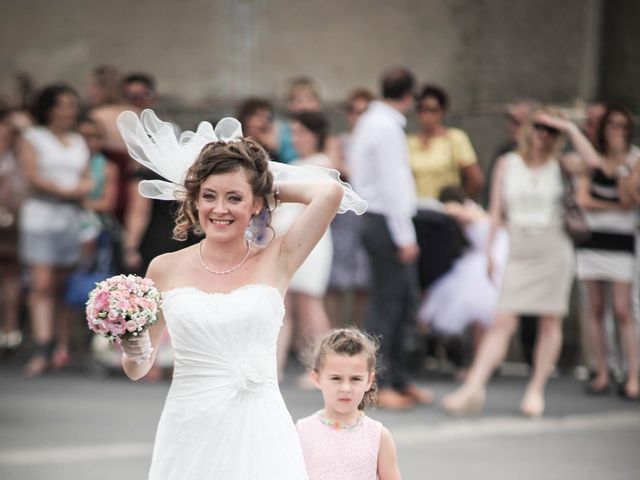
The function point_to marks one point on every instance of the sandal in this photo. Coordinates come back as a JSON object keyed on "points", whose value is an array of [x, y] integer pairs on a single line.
{"points": [[36, 366], [39, 361], [625, 395], [591, 389]]}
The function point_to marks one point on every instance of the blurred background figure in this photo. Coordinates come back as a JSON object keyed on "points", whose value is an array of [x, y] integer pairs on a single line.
{"points": [[608, 257], [105, 102], [148, 230], [12, 192], [527, 197], [465, 296], [256, 116], [516, 116], [302, 96], [381, 174], [139, 90], [305, 315], [346, 298], [592, 120], [103, 196], [55, 160], [20, 102], [439, 156]]}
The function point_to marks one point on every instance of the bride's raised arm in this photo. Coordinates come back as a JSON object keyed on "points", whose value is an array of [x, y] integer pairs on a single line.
{"points": [[322, 200]]}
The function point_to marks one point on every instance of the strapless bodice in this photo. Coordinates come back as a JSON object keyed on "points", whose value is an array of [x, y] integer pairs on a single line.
{"points": [[224, 416], [226, 339]]}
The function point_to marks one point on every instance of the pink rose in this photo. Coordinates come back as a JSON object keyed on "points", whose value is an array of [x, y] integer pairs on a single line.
{"points": [[131, 326], [144, 303], [118, 326], [99, 327], [101, 300]]}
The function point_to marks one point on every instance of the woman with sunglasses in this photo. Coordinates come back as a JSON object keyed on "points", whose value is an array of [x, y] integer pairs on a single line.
{"points": [[526, 197], [607, 258]]}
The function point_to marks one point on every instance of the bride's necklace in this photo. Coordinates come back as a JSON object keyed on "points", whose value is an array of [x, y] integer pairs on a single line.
{"points": [[341, 426], [223, 272]]}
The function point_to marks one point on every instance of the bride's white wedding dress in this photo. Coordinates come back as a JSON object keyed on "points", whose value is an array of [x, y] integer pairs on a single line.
{"points": [[224, 417]]}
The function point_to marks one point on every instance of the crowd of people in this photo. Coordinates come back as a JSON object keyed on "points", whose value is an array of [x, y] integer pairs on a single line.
{"points": [[446, 245]]}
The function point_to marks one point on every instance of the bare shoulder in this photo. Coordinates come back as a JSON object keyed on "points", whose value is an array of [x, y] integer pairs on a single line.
{"points": [[162, 266], [386, 437], [502, 160]]}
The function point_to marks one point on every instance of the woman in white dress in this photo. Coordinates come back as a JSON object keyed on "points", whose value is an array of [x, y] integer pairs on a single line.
{"points": [[54, 160], [306, 315], [526, 197], [224, 416]]}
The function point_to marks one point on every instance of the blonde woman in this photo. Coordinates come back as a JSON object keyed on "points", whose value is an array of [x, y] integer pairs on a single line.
{"points": [[526, 197]]}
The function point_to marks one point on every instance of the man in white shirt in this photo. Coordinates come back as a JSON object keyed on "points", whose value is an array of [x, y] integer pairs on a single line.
{"points": [[380, 173]]}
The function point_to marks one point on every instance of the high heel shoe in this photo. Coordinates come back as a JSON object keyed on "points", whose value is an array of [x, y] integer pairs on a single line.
{"points": [[462, 403]]}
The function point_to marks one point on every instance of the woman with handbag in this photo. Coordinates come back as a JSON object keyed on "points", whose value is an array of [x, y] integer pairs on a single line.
{"points": [[608, 257], [526, 197]]}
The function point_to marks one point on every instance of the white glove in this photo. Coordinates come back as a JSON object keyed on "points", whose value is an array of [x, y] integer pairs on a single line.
{"points": [[137, 348]]}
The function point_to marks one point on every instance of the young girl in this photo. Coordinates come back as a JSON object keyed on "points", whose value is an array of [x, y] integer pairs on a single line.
{"points": [[340, 441]]}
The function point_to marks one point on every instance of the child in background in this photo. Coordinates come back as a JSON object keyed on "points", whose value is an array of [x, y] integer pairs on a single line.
{"points": [[340, 441], [467, 295]]}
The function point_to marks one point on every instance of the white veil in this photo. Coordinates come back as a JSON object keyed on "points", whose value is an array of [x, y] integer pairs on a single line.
{"points": [[153, 143]]}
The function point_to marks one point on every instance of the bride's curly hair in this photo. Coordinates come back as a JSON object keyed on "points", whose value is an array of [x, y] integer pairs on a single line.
{"points": [[223, 157], [349, 342]]}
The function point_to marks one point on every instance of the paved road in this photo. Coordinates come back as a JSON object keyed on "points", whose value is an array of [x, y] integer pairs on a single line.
{"points": [[89, 427]]}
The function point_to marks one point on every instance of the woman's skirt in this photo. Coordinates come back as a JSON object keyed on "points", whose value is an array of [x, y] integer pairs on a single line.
{"points": [[539, 273]]}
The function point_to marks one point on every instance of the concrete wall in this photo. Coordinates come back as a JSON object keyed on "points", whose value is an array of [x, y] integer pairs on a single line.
{"points": [[486, 52], [620, 61]]}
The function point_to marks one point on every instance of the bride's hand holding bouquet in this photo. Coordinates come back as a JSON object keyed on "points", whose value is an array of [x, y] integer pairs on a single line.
{"points": [[122, 308]]}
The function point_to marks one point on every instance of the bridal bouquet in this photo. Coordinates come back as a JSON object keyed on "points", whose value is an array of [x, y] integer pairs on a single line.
{"points": [[123, 306]]}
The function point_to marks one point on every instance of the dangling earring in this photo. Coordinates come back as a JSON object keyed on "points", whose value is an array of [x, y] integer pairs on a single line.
{"points": [[257, 231]]}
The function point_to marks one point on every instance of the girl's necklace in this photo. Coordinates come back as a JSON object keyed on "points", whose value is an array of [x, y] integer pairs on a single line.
{"points": [[223, 272], [340, 426]]}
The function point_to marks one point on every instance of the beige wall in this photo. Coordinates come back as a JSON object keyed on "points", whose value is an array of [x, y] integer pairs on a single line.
{"points": [[486, 52]]}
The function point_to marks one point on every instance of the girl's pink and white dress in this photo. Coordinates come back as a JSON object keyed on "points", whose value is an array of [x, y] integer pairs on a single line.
{"points": [[224, 417], [465, 294], [340, 454]]}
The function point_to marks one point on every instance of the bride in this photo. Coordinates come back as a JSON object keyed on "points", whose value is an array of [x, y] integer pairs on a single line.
{"points": [[224, 416]]}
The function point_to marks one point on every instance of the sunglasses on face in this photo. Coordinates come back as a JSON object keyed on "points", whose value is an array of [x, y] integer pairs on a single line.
{"points": [[355, 111], [618, 125], [540, 127], [429, 110]]}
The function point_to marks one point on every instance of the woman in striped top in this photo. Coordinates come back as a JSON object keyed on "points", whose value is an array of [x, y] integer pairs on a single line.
{"points": [[608, 256]]}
